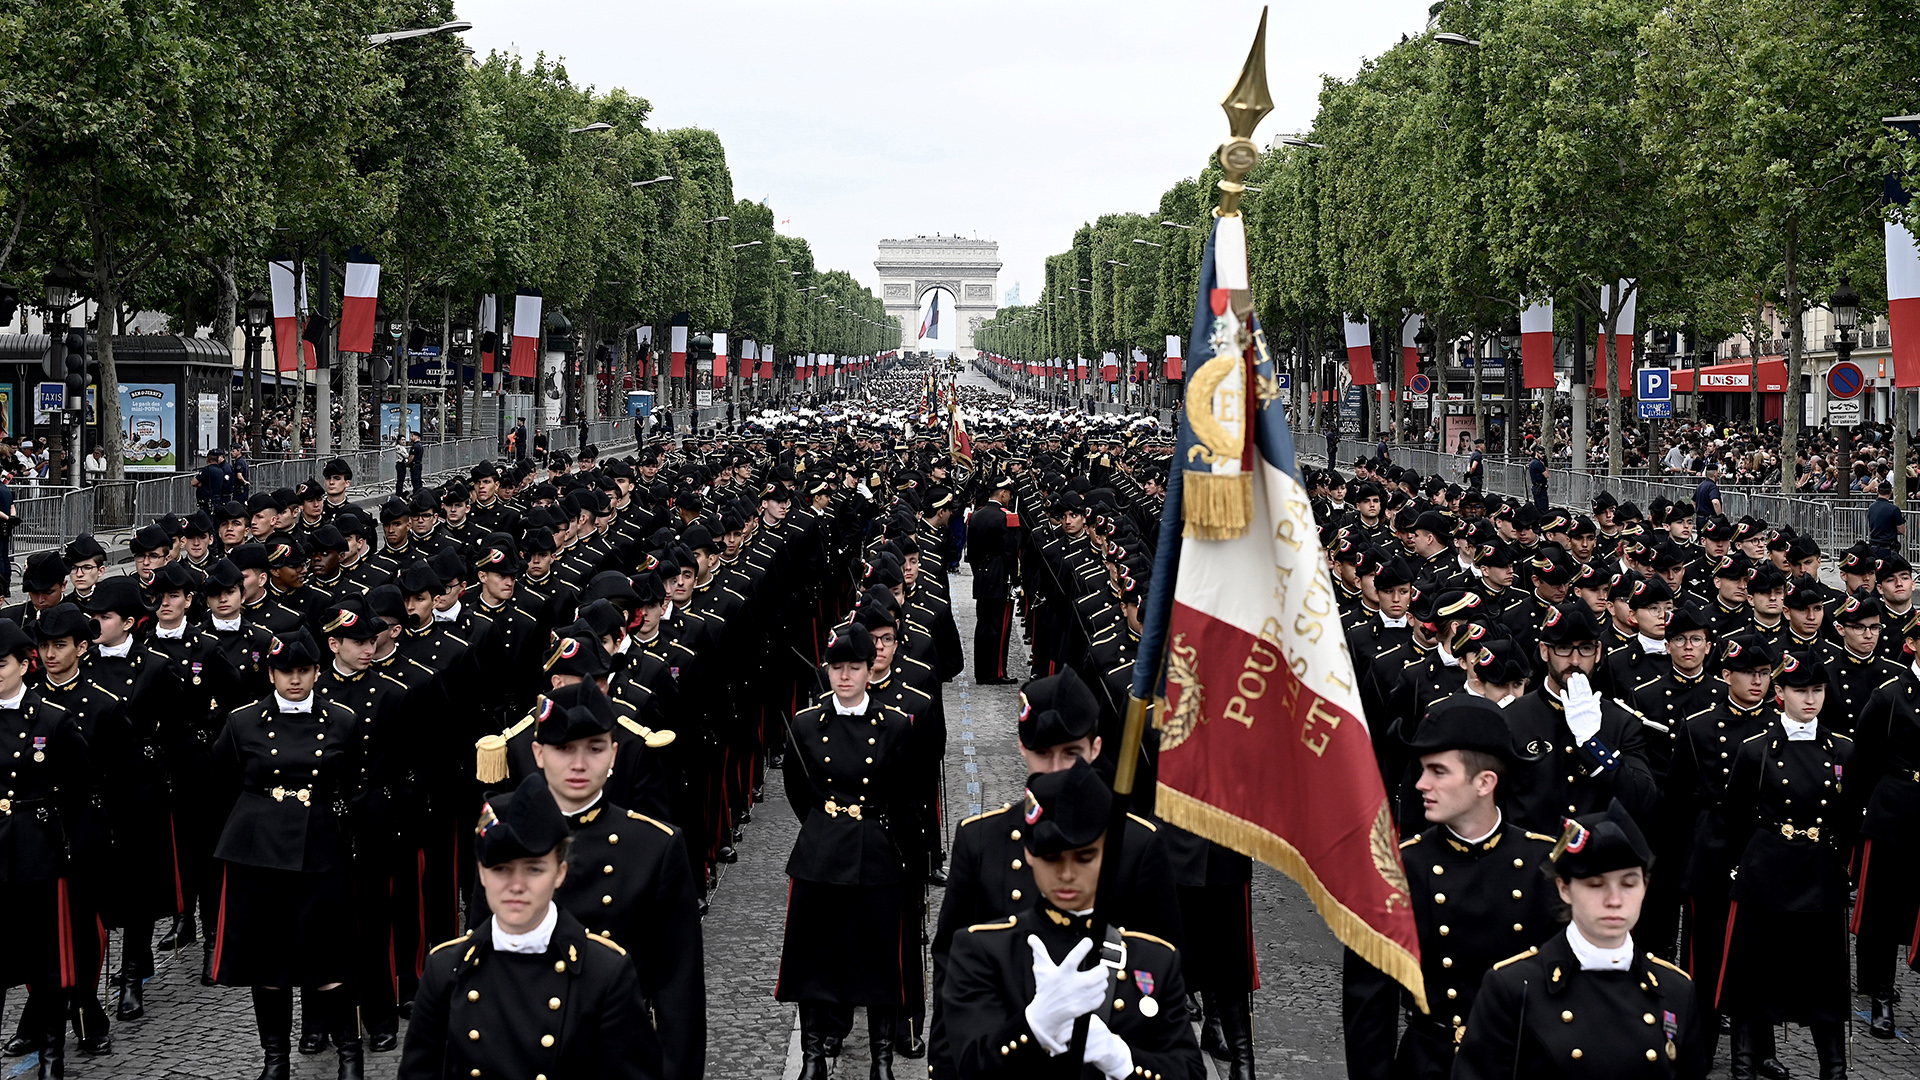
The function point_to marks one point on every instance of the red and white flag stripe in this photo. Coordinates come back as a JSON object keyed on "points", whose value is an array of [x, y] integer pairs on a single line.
{"points": [[358, 305], [678, 351], [1360, 352], [1536, 344], [1903, 303], [526, 335]]}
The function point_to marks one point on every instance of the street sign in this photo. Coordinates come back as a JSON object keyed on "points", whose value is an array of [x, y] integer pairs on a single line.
{"points": [[52, 397], [1419, 384], [1654, 384], [1286, 380], [1845, 380], [1656, 410], [1844, 412]]}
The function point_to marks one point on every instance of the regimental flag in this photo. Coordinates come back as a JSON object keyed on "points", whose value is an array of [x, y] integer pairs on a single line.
{"points": [[1173, 358], [1263, 745], [1622, 341], [359, 303], [930, 325], [1536, 344], [489, 338], [677, 351], [1410, 349], [960, 443], [719, 360], [527, 334], [1360, 352]]}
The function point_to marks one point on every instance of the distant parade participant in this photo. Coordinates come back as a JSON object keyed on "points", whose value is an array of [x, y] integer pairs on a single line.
{"points": [[1586, 1001]]}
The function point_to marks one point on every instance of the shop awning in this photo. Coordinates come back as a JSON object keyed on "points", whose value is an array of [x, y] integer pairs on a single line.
{"points": [[1735, 378]]}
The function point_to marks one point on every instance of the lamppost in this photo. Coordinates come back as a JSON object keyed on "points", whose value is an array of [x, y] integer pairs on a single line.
{"points": [[1846, 315], [259, 317], [1423, 344]]}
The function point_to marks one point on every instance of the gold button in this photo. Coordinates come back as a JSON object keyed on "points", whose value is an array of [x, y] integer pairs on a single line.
{"points": [[546, 1040], [560, 965], [1439, 898], [1016, 864], [1439, 869], [1445, 930], [1516, 928], [1452, 993], [474, 1035], [869, 761], [1518, 863], [829, 760], [475, 1072], [1016, 894], [1446, 961], [1118, 1004], [554, 1004], [1576, 1053], [1015, 836], [606, 899], [1648, 1017], [473, 995], [1651, 1056], [613, 838], [607, 869], [1516, 894], [1567, 1017]]}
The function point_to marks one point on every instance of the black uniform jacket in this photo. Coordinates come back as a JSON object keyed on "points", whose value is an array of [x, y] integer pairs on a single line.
{"points": [[1570, 780], [1539, 1016], [46, 779], [293, 768], [990, 982], [571, 1013], [844, 781]]}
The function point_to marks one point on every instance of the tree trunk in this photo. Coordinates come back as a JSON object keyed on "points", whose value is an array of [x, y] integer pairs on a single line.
{"points": [[111, 442], [1791, 401]]}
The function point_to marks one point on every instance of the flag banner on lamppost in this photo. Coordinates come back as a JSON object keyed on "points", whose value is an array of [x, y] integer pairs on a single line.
{"points": [[1264, 746], [1110, 367], [1139, 366], [1903, 303], [1536, 344], [748, 352], [1173, 357], [1622, 341], [766, 361], [642, 342], [1360, 352], [358, 302], [677, 346], [286, 314], [527, 332], [719, 360], [489, 318], [1409, 348]]}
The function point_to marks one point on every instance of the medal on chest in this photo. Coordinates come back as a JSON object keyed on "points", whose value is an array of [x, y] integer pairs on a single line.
{"points": [[1143, 979], [39, 748]]}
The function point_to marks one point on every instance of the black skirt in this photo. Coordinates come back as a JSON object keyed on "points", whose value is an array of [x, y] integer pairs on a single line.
{"points": [[282, 928], [1785, 966], [842, 945], [1218, 922], [44, 938]]}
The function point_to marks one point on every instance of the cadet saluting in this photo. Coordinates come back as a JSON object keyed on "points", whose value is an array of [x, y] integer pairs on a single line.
{"points": [[532, 992], [1583, 1003]]}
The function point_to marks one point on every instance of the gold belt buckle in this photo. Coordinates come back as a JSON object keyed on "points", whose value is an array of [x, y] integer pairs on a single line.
{"points": [[853, 812], [6, 806], [304, 795], [832, 808], [280, 795], [1811, 832]]}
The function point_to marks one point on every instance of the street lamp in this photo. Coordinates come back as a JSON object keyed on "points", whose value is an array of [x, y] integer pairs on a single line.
{"points": [[1117, 262], [597, 125], [648, 183], [1846, 316], [1457, 39], [454, 27], [259, 317], [712, 220], [1299, 143], [748, 244], [60, 285], [1176, 225], [1149, 243]]}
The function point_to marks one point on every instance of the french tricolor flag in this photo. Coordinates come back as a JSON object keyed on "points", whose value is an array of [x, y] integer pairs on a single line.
{"points": [[1173, 357], [1903, 303], [286, 315], [1622, 340], [766, 361], [358, 303], [526, 334], [749, 352], [719, 359], [1409, 349], [1360, 352], [1536, 344], [489, 318], [1110, 367], [678, 351]]}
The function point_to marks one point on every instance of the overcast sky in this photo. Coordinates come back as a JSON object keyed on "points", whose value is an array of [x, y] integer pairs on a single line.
{"points": [[857, 120]]}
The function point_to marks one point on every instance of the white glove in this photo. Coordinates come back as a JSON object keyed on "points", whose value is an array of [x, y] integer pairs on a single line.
{"points": [[1583, 709], [1061, 993], [1108, 1052]]}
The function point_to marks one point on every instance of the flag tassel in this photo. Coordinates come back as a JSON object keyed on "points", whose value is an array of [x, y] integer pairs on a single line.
{"points": [[1219, 506]]}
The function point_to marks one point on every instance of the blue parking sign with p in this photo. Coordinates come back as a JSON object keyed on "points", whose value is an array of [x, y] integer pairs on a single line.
{"points": [[1655, 384]]}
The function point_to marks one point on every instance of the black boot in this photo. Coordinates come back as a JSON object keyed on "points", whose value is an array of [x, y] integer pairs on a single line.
{"points": [[273, 1015], [26, 1036], [1236, 1023], [880, 1040], [1766, 1065], [1881, 1026], [907, 1040], [53, 1054], [180, 934], [1742, 1065], [814, 1063], [1213, 1037], [90, 1028], [338, 1005], [1830, 1048], [132, 1003]]}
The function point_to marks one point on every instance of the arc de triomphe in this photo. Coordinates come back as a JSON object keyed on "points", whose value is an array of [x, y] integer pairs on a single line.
{"points": [[969, 269]]}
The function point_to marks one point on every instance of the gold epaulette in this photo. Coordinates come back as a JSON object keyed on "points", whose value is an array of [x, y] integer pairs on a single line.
{"points": [[455, 941], [1144, 936], [1670, 966], [661, 825], [607, 941], [1702, 712], [917, 690], [1410, 841], [1761, 735], [977, 817], [1543, 838], [654, 739], [1516, 956], [1150, 826], [1011, 922]]}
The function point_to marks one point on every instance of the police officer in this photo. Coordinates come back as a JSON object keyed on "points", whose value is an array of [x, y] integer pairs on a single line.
{"points": [[532, 992], [1586, 1002]]}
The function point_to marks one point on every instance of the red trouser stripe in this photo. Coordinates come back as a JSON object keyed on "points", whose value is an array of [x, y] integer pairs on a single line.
{"points": [[64, 912], [173, 844], [220, 921], [1726, 950]]}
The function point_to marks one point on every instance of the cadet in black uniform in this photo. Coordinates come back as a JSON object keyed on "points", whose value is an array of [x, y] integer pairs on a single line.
{"points": [[993, 547], [1135, 996], [845, 781], [531, 992], [284, 920], [1585, 1002], [1792, 817]]}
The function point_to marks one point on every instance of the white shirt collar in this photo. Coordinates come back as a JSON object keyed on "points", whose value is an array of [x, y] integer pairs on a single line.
{"points": [[1446, 657], [226, 626], [14, 701], [285, 706], [174, 634], [452, 614], [855, 711], [1650, 645], [1393, 624], [1498, 820], [120, 651], [1799, 732], [1594, 958], [533, 942]]}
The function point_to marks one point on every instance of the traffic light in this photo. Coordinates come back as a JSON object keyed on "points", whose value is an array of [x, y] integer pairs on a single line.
{"points": [[79, 365]]}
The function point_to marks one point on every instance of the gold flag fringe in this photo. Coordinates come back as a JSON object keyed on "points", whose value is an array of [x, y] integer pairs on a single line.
{"points": [[1217, 506], [1183, 810]]}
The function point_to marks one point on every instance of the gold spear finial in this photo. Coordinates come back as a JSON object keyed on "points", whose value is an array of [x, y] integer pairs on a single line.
{"points": [[1246, 105]]}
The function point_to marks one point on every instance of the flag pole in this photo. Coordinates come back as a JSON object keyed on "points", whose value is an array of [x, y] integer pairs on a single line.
{"points": [[1246, 104]]}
